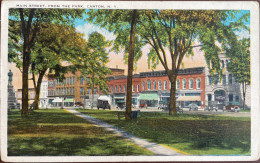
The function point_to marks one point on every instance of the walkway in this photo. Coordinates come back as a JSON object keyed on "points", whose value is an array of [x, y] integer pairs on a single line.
{"points": [[155, 148]]}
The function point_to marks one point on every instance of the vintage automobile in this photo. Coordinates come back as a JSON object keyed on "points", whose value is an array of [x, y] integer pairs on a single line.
{"points": [[193, 107], [103, 104], [78, 104], [167, 107], [232, 107], [143, 106]]}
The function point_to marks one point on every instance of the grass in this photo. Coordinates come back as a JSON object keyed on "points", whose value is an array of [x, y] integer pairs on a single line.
{"points": [[59, 133], [192, 134]]}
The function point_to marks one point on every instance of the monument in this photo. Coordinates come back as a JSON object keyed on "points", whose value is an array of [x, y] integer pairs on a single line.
{"points": [[12, 101]]}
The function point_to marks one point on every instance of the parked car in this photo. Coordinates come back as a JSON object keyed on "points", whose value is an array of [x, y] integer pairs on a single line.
{"points": [[78, 104], [232, 107], [193, 107], [143, 106], [103, 104], [167, 108]]}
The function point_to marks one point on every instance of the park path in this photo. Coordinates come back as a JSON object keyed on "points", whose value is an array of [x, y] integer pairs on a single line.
{"points": [[153, 147]]}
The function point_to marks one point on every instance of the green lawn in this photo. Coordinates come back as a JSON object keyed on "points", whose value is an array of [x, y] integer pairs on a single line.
{"points": [[191, 134], [59, 133]]}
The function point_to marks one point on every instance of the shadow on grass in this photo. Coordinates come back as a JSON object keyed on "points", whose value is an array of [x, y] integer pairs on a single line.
{"points": [[47, 146]]}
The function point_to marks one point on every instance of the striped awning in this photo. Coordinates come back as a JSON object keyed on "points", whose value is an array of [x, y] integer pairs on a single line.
{"points": [[69, 100], [148, 96], [189, 98]]}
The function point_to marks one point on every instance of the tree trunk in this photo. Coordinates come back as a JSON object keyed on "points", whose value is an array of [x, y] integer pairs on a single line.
{"points": [[26, 64], [92, 90], [244, 94], [130, 67], [172, 110], [38, 90]]}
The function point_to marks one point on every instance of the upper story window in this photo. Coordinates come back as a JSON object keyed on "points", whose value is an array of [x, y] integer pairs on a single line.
{"points": [[81, 80], [124, 88], [230, 79], [184, 84], [191, 84], [115, 89], [112, 89], [137, 88], [216, 79], [95, 91], [226, 63], [165, 84], [159, 85], [178, 84], [149, 84], [223, 64], [120, 88], [224, 79], [154, 84], [210, 80], [198, 83], [143, 85], [73, 80], [133, 88], [81, 90]]}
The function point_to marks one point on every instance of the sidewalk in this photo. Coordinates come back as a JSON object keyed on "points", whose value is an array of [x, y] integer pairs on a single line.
{"points": [[153, 147]]}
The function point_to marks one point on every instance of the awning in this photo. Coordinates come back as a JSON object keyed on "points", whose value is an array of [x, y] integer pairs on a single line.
{"points": [[189, 98], [69, 100], [119, 97], [120, 101], [148, 96], [57, 100], [104, 98]]}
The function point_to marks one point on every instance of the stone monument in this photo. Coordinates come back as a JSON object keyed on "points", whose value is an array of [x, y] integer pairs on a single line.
{"points": [[12, 101]]}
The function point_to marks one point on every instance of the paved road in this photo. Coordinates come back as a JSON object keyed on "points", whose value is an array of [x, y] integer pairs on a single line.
{"points": [[155, 148]]}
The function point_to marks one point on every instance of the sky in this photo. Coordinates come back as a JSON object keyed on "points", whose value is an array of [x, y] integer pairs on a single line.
{"points": [[116, 60]]}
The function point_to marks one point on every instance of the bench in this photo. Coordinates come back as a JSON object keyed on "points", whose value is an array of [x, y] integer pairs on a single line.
{"points": [[134, 114]]}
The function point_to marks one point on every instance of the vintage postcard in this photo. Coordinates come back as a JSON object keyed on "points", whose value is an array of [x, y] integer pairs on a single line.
{"points": [[120, 81]]}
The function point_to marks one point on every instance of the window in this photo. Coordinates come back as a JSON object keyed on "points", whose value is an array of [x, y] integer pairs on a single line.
{"points": [[154, 84], [226, 63], [73, 91], [165, 84], [115, 89], [230, 97], [95, 91], [178, 84], [223, 64], [65, 81], [88, 91], [54, 83], [191, 84], [159, 85], [68, 81], [184, 84], [112, 89], [210, 80], [133, 88], [70, 91], [124, 88], [198, 83], [149, 84], [81, 91], [209, 97], [137, 90], [224, 79], [81, 80], [237, 98], [88, 80], [120, 88], [230, 79], [143, 85], [73, 80], [216, 79], [57, 91]]}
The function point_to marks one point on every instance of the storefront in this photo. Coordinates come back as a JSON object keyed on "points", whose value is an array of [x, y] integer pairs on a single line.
{"points": [[69, 102], [57, 102], [150, 99], [186, 100]]}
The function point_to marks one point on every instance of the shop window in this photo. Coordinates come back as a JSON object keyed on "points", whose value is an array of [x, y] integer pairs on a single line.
{"points": [[230, 97], [191, 84], [184, 84]]}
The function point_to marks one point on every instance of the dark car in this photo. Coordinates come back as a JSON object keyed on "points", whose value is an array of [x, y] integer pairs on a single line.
{"points": [[78, 104], [167, 108], [232, 107], [103, 104]]}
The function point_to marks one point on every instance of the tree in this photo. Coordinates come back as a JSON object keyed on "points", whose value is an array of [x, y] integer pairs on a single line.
{"points": [[173, 32], [30, 21], [123, 24], [239, 66], [94, 60], [53, 44]]}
